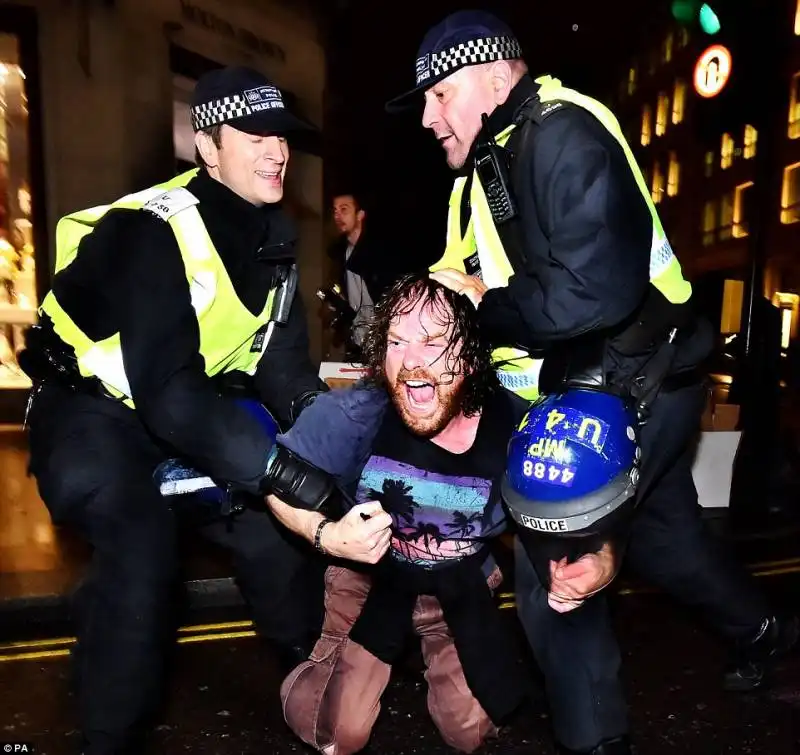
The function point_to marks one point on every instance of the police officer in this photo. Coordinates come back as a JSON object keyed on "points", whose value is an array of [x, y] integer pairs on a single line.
{"points": [[155, 300], [553, 236]]}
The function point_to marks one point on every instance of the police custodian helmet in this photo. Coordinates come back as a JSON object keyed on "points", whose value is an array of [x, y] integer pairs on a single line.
{"points": [[571, 475]]}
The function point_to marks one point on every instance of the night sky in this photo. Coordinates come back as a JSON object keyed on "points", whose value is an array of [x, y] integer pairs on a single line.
{"points": [[394, 161]]}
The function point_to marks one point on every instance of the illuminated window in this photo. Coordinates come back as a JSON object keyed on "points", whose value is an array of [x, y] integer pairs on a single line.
{"points": [[790, 194], [662, 113], [742, 197], [726, 151], [673, 175], [669, 43], [709, 166], [709, 222], [658, 183], [787, 316], [647, 125], [794, 108], [788, 304], [683, 37], [726, 216], [678, 101], [18, 212], [797, 19], [750, 139], [632, 80]]}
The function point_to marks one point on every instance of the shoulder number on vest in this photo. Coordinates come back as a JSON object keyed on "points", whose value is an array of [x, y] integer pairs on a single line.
{"points": [[170, 203], [542, 110]]}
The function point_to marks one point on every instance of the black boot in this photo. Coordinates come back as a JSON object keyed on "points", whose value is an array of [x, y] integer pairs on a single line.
{"points": [[616, 746], [753, 657]]}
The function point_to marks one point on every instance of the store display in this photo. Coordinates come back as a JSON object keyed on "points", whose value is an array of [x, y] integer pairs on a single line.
{"points": [[18, 299]]}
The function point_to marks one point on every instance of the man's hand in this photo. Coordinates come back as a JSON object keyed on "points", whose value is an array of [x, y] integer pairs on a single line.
{"points": [[363, 534], [468, 285], [571, 584]]}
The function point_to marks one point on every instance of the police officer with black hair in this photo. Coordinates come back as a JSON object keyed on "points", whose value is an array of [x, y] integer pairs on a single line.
{"points": [[554, 237], [161, 303]]}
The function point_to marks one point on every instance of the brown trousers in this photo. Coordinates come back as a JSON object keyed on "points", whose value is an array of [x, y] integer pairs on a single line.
{"points": [[332, 700]]}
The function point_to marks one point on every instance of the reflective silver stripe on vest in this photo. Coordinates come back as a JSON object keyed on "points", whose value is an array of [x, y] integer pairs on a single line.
{"points": [[518, 381]]}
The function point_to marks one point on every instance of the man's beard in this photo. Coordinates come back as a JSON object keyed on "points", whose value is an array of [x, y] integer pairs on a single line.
{"points": [[447, 402]]}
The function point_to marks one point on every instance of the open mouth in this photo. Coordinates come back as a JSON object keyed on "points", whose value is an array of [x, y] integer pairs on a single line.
{"points": [[420, 393], [270, 175]]}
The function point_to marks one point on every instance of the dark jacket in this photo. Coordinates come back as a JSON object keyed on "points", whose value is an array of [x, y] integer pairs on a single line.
{"points": [[586, 237], [371, 259], [129, 278]]}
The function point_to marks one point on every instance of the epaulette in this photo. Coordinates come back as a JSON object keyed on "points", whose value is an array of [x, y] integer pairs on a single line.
{"points": [[170, 203]]}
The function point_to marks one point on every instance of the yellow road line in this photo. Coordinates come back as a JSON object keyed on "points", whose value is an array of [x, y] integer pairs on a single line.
{"points": [[194, 633]]}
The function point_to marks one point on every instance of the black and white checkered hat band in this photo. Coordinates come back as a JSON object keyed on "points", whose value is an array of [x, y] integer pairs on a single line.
{"points": [[475, 51], [228, 108]]}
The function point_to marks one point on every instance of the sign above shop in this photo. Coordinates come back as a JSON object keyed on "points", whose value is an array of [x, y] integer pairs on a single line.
{"points": [[712, 71], [245, 37]]}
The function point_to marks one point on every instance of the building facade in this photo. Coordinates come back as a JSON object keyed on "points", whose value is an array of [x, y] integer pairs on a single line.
{"points": [[94, 104], [705, 187]]}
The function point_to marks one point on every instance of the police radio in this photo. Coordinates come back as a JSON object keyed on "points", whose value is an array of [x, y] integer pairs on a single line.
{"points": [[492, 164]]}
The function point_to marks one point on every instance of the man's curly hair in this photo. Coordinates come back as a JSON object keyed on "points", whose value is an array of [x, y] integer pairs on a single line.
{"points": [[473, 360]]}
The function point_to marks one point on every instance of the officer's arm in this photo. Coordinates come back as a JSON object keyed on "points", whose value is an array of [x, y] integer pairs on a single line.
{"points": [[286, 378], [600, 232], [160, 341]]}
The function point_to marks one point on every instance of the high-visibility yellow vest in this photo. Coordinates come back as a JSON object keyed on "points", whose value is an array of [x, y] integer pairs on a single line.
{"points": [[231, 337], [516, 370]]}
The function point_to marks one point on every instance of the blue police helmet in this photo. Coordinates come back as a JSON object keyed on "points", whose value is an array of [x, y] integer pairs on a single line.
{"points": [[262, 414], [572, 463]]}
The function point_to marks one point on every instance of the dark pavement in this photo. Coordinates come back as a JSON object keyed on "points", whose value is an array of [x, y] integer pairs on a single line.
{"points": [[223, 696], [223, 693]]}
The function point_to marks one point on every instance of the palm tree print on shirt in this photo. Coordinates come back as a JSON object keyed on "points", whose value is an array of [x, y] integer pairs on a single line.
{"points": [[436, 517]]}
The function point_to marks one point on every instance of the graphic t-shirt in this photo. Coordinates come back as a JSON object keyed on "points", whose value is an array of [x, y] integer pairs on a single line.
{"points": [[444, 505]]}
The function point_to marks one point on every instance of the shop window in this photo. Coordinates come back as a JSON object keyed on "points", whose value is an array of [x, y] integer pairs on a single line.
{"points": [[726, 151], [726, 216], [673, 175], [678, 101], [794, 107], [662, 113], [709, 165], [669, 44], [750, 139], [632, 80], [18, 299], [742, 210], [658, 183], [647, 125], [709, 222], [790, 194]]}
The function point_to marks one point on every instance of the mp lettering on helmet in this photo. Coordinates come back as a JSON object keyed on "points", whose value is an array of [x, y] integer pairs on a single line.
{"points": [[543, 525], [549, 448]]}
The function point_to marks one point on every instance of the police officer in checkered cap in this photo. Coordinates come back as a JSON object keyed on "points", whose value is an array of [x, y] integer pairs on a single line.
{"points": [[166, 306], [554, 236]]}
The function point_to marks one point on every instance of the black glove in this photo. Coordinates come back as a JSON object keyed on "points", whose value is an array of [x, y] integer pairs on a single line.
{"points": [[296, 482]]}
